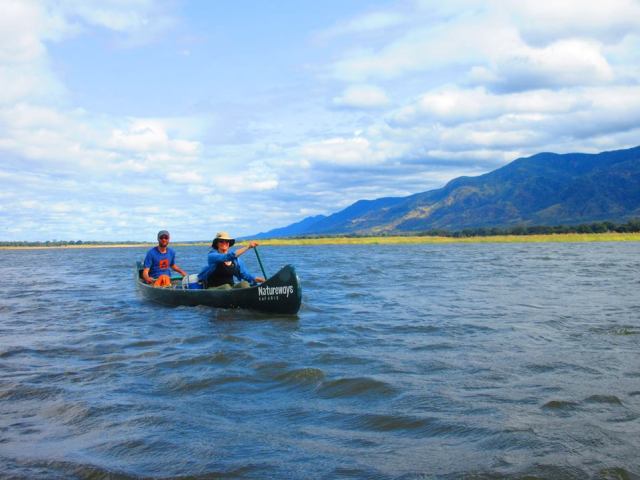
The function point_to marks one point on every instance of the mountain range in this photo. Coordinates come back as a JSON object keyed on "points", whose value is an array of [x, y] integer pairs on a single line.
{"points": [[544, 189]]}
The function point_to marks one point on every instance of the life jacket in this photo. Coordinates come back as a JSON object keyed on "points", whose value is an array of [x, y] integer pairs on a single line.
{"points": [[221, 275], [162, 281]]}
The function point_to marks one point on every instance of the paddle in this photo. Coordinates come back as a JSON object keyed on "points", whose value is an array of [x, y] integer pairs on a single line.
{"points": [[255, 249]]}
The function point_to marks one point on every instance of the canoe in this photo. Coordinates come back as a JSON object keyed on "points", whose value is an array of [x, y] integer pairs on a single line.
{"points": [[281, 293]]}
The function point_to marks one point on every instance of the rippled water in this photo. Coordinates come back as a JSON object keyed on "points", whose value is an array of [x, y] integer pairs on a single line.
{"points": [[410, 362]]}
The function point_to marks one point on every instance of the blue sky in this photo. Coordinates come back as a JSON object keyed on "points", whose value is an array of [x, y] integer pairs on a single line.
{"points": [[120, 118]]}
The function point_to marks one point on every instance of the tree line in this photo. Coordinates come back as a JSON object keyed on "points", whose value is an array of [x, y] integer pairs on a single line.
{"points": [[596, 227], [61, 243]]}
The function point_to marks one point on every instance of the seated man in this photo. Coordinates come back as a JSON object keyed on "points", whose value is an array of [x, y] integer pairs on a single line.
{"points": [[223, 265], [159, 262]]}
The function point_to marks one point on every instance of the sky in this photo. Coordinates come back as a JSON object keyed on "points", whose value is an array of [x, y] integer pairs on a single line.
{"points": [[119, 118]]}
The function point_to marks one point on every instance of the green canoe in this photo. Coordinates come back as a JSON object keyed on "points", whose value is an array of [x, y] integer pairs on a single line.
{"points": [[281, 293]]}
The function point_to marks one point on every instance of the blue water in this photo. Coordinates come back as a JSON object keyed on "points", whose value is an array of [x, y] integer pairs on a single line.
{"points": [[404, 362]]}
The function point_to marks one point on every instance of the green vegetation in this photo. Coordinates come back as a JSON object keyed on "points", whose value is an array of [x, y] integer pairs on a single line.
{"points": [[592, 232], [66, 243], [600, 227]]}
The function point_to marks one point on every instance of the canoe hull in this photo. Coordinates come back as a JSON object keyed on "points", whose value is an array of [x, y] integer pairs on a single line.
{"points": [[281, 294]]}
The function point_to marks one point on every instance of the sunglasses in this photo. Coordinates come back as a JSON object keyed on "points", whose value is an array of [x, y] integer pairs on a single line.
{"points": [[164, 237]]}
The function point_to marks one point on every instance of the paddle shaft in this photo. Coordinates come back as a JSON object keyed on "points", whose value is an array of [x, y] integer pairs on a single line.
{"points": [[255, 249]]}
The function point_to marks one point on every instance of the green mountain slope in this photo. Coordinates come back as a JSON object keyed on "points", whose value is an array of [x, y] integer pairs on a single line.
{"points": [[545, 189]]}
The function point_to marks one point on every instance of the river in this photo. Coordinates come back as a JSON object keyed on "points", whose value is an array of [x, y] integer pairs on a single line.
{"points": [[405, 362]]}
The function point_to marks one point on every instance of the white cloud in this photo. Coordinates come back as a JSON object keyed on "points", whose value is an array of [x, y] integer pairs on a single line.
{"points": [[24, 25], [488, 43], [253, 177], [24, 69], [246, 183], [455, 123], [564, 63], [547, 22], [353, 151], [144, 135], [76, 139], [425, 48], [362, 97], [185, 177], [32, 122], [452, 105]]}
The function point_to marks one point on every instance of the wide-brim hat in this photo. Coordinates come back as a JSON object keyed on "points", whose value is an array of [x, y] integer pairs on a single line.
{"points": [[222, 236]]}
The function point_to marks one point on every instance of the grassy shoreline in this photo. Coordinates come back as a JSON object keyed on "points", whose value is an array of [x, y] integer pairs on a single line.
{"points": [[401, 240], [546, 238]]}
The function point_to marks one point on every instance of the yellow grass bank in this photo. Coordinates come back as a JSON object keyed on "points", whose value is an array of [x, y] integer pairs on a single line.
{"points": [[565, 237]]}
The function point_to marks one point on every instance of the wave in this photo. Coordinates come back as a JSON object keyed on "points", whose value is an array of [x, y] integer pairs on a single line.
{"points": [[356, 387]]}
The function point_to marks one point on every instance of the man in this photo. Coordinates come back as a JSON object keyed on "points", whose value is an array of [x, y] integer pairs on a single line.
{"points": [[224, 265], [159, 262]]}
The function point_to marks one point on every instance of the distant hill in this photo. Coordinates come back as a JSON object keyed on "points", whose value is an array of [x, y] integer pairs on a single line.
{"points": [[544, 189]]}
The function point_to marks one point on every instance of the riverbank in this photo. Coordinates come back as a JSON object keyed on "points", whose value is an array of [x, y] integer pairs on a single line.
{"points": [[562, 238], [75, 247]]}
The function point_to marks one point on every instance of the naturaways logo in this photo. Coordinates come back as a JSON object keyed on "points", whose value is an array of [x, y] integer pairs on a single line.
{"points": [[272, 293]]}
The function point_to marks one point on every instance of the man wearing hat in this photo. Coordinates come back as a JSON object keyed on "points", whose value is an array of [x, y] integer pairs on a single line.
{"points": [[224, 265], [159, 262]]}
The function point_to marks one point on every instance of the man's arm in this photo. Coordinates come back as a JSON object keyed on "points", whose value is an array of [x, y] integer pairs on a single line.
{"points": [[146, 277], [179, 270], [244, 274]]}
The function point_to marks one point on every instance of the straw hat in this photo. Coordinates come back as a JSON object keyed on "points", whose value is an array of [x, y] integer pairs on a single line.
{"points": [[222, 236]]}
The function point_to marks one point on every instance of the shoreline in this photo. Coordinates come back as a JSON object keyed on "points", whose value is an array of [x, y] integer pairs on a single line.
{"points": [[398, 240], [106, 245], [402, 240]]}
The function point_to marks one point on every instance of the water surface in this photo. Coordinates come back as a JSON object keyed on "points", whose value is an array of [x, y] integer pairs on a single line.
{"points": [[408, 362]]}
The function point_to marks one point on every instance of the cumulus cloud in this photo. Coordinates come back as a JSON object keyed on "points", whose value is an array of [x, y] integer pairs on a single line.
{"points": [[454, 123], [149, 135], [33, 122], [544, 22], [252, 177], [82, 141], [362, 97], [453, 105], [561, 64], [491, 46], [428, 47], [350, 151], [24, 68]]}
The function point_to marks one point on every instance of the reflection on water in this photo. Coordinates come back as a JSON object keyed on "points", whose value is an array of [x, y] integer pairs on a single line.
{"points": [[431, 361]]}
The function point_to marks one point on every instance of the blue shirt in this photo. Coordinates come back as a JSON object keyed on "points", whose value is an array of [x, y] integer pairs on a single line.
{"points": [[159, 263], [214, 258]]}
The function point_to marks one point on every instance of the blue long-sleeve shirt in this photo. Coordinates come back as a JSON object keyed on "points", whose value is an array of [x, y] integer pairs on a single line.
{"points": [[214, 258]]}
